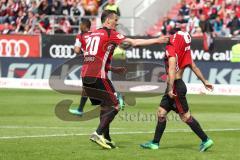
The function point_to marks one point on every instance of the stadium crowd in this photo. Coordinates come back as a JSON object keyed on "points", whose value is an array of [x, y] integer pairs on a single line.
{"points": [[45, 16], [221, 18]]}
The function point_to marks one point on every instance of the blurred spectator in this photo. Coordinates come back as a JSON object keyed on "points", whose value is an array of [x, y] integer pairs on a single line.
{"points": [[27, 15], [101, 2], [64, 26], [167, 25], [76, 12], [213, 13], [43, 24], [198, 32], [111, 5], [206, 10], [234, 25], [205, 24], [27, 30], [237, 9], [23, 5], [13, 29], [30, 23], [44, 7], [193, 23], [20, 21], [218, 26], [90, 6], [180, 21], [12, 11], [33, 7], [207, 31], [56, 7], [65, 8], [196, 6], [6, 29], [184, 10], [3, 11]]}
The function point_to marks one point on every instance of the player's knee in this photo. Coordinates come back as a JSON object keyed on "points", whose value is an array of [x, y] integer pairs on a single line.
{"points": [[162, 113], [185, 117], [113, 110]]}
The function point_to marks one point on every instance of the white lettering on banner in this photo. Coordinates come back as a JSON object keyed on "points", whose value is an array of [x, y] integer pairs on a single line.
{"points": [[200, 55], [133, 54], [13, 66], [144, 53], [33, 71], [235, 77], [215, 76], [62, 51], [43, 71], [222, 56], [215, 56], [159, 55], [137, 53], [71, 71], [14, 48]]}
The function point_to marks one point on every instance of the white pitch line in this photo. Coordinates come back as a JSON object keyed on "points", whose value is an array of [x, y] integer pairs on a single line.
{"points": [[116, 133], [47, 127]]}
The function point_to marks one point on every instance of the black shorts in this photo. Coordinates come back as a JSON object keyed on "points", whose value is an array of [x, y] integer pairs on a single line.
{"points": [[178, 104], [100, 91]]}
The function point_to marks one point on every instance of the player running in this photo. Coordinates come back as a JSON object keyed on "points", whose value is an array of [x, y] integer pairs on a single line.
{"points": [[99, 50], [79, 48], [177, 58]]}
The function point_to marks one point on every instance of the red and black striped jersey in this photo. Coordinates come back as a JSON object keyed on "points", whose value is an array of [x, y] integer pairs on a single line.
{"points": [[179, 47], [81, 40], [100, 46]]}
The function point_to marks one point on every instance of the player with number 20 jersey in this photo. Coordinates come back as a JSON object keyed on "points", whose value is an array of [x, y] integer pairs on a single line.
{"points": [[99, 50], [97, 58]]}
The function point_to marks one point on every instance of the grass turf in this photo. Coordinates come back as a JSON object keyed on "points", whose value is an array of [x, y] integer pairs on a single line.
{"points": [[26, 113]]}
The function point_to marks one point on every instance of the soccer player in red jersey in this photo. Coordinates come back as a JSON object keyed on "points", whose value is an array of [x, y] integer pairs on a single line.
{"points": [[80, 45], [177, 58], [99, 49], [79, 48]]}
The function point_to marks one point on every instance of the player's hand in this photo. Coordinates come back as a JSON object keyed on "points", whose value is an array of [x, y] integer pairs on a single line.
{"points": [[208, 86], [163, 39], [119, 70], [125, 45], [171, 94]]}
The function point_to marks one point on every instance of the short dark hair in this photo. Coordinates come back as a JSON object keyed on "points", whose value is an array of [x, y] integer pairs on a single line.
{"points": [[106, 14], [86, 22]]}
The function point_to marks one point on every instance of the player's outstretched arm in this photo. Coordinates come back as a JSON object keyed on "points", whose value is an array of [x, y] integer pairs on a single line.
{"points": [[199, 74], [145, 42]]}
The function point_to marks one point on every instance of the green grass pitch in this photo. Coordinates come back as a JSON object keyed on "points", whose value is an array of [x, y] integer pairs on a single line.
{"points": [[29, 129]]}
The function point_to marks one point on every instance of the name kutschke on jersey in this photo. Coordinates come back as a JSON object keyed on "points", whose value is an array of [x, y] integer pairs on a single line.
{"points": [[89, 59]]}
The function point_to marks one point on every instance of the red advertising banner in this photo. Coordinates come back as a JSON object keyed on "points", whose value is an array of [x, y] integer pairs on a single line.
{"points": [[23, 46]]}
